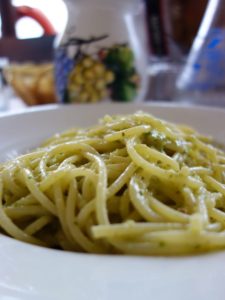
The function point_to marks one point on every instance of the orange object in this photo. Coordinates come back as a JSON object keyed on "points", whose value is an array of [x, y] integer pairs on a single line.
{"points": [[37, 15]]}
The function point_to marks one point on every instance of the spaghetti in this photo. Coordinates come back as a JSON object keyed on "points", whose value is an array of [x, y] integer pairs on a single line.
{"points": [[134, 184]]}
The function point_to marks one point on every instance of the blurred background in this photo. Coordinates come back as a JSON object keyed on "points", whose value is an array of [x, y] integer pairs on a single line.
{"points": [[172, 24], [28, 29]]}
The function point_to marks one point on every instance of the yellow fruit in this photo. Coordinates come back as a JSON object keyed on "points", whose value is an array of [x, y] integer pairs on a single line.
{"points": [[83, 97], [75, 88], [109, 77], [100, 84], [71, 77], [78, 68], [88, 87], [87, 62], [99, 69], [78, 79], [89, 74], [95, 97]]}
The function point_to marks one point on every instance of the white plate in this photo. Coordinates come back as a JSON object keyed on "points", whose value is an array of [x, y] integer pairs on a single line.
{"points": [[32, 273]]}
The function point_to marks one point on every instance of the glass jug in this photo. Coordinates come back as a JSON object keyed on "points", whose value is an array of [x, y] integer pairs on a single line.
{"points": [[202, 81], [103, 52]]}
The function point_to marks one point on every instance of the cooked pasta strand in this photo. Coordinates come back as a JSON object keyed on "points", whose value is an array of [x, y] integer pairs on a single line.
{"points": [[134, 184]]}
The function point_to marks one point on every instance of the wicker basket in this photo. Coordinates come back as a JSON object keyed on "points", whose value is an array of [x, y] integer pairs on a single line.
{"points": [[32, 82]]}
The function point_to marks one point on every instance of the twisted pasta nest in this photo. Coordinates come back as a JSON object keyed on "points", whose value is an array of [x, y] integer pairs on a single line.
{"points": [[133, 184]]}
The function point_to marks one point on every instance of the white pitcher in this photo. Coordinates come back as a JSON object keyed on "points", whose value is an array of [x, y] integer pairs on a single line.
{"points": [[103, 52]]}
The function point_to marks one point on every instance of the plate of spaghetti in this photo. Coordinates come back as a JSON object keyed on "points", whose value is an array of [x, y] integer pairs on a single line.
{"points": [[112, 201]]}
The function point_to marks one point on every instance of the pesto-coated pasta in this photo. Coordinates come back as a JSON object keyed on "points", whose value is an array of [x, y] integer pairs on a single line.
{"points": [[133, 184]]}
